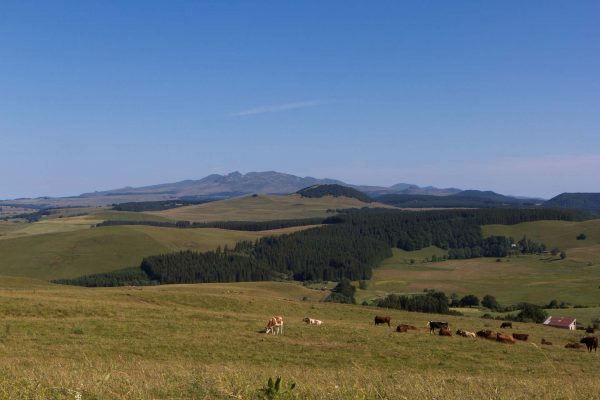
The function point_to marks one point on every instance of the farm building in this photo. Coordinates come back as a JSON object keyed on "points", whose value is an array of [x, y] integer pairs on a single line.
{"points": [[561, 322]]}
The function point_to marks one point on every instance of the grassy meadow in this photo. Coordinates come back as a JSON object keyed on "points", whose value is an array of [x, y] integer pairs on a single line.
{"points": [[561, 234], [75, 253], [263, 208], [206, 341]]}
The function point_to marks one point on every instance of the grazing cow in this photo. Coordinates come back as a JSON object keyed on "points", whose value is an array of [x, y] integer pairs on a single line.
{"points": [[504, 339], [433, 325], [405, 328], [311, 321], [506, 325], [275, 325], [464, 333], [445, 332], [591, 342], [589, 330], [573, 346], [547, 343], [382, 320], [520, 336]]}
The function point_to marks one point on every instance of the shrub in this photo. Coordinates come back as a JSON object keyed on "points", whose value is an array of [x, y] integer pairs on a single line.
{"points": [[531, 313], [343, 292], [581, 236]]}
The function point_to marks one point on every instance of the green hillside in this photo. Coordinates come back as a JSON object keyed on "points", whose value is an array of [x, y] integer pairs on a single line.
{"points": [[206, 341], [82, 252], [536, 279], [561, 234]]}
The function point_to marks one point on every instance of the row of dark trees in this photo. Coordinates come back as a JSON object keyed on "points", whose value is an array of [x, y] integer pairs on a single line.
{"points": [[230, 225], [430, 302]]}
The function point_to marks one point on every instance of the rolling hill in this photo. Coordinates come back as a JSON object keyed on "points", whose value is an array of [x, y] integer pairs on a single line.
{"points": [[581, 201], [318, 191], [463, 199], [264, 208], [70, 254]]}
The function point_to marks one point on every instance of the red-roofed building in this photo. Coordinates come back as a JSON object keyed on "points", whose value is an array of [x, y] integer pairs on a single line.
{"points": [[561, 322]]}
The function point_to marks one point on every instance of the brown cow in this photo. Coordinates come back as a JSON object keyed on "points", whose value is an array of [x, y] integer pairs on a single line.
{"points": [[445, 332], [506, 325], [405, 328], [591, 342], [573, 346], [382, 320], [487, 334], [520, 336], [504, 339], [275, 325], [547, 343]]}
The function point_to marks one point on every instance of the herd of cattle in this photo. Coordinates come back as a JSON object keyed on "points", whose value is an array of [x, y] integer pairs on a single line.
{"points": [[275, 326]]}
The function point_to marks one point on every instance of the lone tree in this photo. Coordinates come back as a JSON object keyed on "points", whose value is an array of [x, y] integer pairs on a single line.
{"points": [[469, 300], [490, 302]]}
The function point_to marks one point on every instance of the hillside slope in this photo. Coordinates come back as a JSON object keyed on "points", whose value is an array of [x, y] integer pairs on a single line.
{"points": [[89, 251], [264, 208], [581, 201]]}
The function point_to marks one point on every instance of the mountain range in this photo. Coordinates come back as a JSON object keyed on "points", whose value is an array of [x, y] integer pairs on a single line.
{"points": [[235, 184], [220, 187]]}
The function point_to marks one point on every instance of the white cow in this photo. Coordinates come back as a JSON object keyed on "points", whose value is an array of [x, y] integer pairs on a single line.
{"points": [[275, 325], [311, 321]]}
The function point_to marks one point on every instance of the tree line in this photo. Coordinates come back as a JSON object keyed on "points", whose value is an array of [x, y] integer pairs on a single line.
{"points": [[229, 225]]}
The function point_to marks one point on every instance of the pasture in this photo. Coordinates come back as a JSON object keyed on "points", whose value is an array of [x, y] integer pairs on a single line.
{"points": [[263, 208], [561, 234], [86, 251], [206, 341], [531, 278], [536, 279]]}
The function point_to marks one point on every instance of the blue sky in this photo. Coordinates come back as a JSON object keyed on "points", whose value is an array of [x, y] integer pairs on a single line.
{"points": [[489, 95]]}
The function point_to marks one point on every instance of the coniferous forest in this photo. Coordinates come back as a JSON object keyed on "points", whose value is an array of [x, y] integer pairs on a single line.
{"points": [[349, 246]]}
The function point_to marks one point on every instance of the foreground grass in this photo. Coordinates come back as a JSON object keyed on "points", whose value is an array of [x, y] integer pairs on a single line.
{"points": [[205, 341]]}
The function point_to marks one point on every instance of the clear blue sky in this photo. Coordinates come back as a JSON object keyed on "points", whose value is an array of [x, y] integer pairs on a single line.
{"points": [[500, 95]]}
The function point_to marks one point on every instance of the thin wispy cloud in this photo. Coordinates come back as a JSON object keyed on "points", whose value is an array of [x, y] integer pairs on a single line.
{"points": [[281, 107]]}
